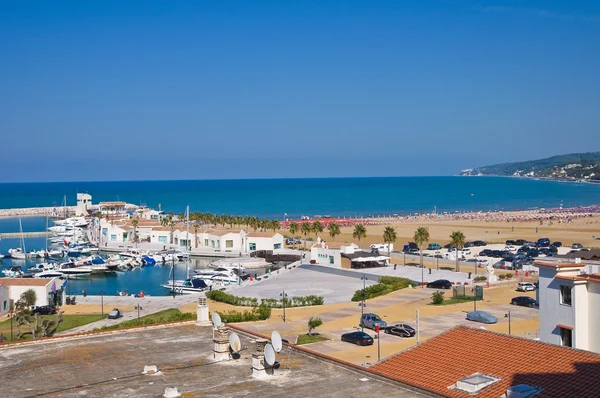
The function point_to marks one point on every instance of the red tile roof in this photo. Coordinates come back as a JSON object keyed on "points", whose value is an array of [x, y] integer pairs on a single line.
{"points": [[559, 265], [462, 351], [261, 234], [25, 281]]}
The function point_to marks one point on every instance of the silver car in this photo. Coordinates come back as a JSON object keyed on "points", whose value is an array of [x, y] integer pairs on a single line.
{"points": [[371, 320]]}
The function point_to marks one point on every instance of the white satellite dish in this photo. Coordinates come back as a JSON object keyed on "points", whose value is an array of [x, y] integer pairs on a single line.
{"points": [[235, 343], [269, 354], [216, 320], [276, 341]]}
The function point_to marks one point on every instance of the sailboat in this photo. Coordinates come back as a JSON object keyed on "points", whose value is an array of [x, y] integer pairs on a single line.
{"points": [[19, 253]]}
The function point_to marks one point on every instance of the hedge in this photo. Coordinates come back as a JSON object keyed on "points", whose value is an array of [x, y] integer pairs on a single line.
{"points": [[387, 284], [259, 313], [222, 297]]}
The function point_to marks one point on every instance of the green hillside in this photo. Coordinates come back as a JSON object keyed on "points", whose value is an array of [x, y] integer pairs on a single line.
{"points": [[573, 166]]}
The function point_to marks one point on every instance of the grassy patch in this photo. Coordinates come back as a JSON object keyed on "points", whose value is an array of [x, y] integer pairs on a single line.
{"points": [[68, 322], [217, 295], [170, 315], [457, 300], [307, 339]]}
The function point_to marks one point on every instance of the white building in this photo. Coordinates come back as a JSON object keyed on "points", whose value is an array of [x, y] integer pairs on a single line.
{"points": [[84, 201], [43, 288], [569, 301], [263, 241], [4, 299], [330, 253], [210, 239]]}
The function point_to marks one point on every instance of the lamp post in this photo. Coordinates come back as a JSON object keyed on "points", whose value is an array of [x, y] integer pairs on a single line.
{"points": [[173, 276], [508, 316], [362, 305], [283, 296], [102, 293], [474, 298]]}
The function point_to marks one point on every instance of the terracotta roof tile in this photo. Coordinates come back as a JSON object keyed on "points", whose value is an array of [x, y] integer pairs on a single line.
{"points": [[261, 234], [25, 281], [559, 265], [462, 351]]}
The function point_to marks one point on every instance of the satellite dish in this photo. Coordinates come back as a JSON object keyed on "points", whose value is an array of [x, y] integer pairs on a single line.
{"points": [[235, 343], [269, 354], [276, 341], [216, 320]]}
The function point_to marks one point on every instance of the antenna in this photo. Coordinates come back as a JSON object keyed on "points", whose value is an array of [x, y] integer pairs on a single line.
{"points": [[235, 343], [269, 354], [276, 341], [216, 320]]}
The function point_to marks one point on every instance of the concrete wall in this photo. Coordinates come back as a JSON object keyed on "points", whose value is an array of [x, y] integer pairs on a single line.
{"points": [[580, 316], [593, 316], [549, 293], [42, 292]]}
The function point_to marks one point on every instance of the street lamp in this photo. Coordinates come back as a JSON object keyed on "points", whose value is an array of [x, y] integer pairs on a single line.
{"points": [[362, 305], [173, 275], [102, 293], [508, 316], [283, 296]]}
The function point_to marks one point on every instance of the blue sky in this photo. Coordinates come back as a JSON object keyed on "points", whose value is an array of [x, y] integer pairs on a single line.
{"points": [[117, 90]]}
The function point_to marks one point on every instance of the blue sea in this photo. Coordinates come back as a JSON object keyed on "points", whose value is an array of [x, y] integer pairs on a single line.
{"points": [[341, 197]]}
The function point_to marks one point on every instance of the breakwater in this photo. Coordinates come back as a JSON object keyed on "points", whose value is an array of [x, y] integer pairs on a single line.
{"points": [[38, 211], [9, 235]]}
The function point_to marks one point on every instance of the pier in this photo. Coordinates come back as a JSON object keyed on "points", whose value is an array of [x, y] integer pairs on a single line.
{"points": [[8, 235]]}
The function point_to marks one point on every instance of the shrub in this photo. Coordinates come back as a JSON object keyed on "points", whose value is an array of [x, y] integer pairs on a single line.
{"points": [[502, 277], [509, 275], [259, 313], [387, 284], [480, 279], [313, 323], [437, 298], [223, 297]]}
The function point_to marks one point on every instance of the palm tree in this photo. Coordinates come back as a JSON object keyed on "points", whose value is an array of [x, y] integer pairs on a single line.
{"points": [[457, 239], [275, 224], [359, 233], [389, 237], [164, 221], [306, 230], [135, 222], [317, 228], [195, 226], [171, 223], [421, 236], [294, 230], [334, 230]]}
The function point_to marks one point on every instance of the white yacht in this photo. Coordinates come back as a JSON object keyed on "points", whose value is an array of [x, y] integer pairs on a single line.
{"points": [[17, 254], [49, 274], [194, 285]]}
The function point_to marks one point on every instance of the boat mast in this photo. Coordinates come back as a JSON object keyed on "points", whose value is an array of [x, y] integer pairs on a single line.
{"points": [[22, 238], [187, 240]]}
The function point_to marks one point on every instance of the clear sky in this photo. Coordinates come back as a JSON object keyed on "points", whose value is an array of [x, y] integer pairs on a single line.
{"points": [[114, 90]]}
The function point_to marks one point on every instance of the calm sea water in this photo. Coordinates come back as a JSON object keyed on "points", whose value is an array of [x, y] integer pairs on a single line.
{"points": [[333, 196]]}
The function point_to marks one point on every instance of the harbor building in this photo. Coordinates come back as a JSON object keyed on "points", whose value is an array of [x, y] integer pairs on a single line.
{"points": [[49, 291], [263, 241], [569, 301], [114, 208], [84, 202]]}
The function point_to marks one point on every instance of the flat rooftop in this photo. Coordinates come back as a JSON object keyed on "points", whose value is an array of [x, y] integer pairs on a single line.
{"points": [[111, 365]]}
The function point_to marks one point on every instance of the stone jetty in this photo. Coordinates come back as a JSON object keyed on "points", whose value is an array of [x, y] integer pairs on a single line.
{"points": [[38, 211]]}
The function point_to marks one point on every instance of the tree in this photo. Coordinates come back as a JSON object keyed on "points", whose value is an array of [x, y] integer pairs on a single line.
{"points": [[317, 228], [306, 230], [389, 237], [334, 230], [294, 230], [313, 323], [360, 232], [135, 222], [421, 236], [29, 298], [457, 239], [171, 223]]}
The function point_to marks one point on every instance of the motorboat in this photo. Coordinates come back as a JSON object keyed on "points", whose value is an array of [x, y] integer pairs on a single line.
{"points": [[149, 260], [42, 267], [49, 274], [37, 254], [98, 268], [56, 253], [13, 272], [220, 277], [70, 269], [187, 286]]}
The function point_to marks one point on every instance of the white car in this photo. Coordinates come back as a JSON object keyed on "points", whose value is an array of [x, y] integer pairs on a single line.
{"points": [[465, 250], [510, 248], [525, 287]]}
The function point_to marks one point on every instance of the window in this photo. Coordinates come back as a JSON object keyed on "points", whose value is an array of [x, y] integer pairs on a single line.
{"points": [[565, 337], [565, 295], [229, 243], [162, 239], [176, 241], [113, 237], [331, 260], [205, 242], [5, 304], [251, 246], [277, 246]]}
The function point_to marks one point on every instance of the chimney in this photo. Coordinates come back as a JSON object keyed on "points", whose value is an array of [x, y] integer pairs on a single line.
{"points": [[202, 318], [260, 369], [221, 343]]}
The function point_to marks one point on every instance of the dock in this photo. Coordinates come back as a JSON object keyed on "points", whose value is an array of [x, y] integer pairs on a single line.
{"points": [[9, 235]]}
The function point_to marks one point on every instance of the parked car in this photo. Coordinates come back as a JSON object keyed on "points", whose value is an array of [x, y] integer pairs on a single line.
{"points": [[358, 338], [525, 287], [115, 313], [371, 320], [524, 301], [479, 243], [510, 248], [482, 317], [401, 330], [510, 243], [520, 242], [434, 246], [576, 246], [556, 244], [44, 310], [438, 256], [465, 250], [440, 284], [469, 244], [543, 242], [485, 252], [427, 255]]}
